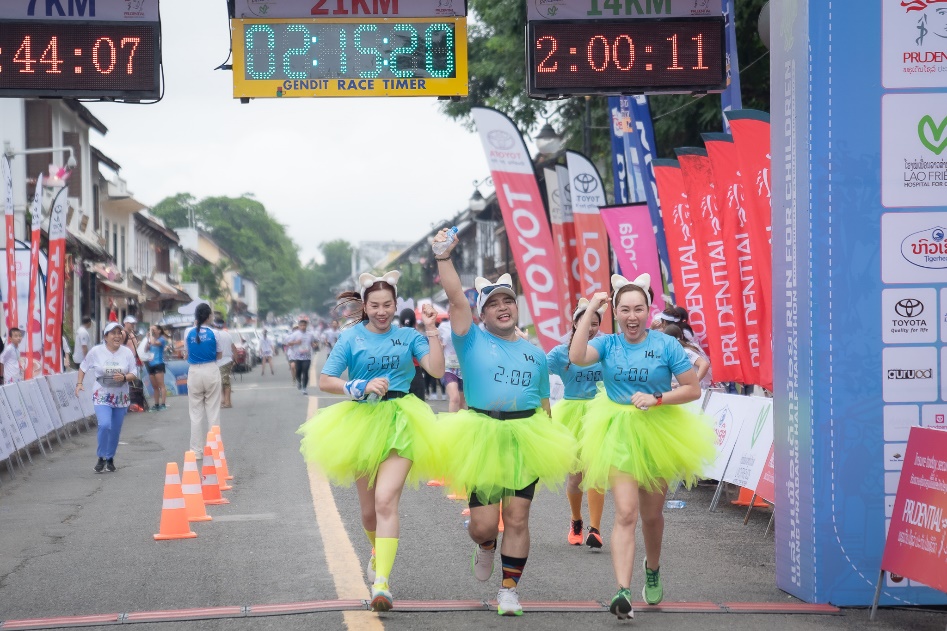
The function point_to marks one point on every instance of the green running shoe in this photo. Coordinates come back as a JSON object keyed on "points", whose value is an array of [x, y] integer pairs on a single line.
{"points": [[653, 591], [621, 604]]}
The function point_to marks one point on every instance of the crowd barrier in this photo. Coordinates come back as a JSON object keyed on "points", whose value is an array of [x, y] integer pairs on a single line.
{"points": [[39, 410]]}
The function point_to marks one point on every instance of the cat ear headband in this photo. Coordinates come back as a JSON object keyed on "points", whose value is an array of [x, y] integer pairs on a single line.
{"points": [[583, 307], [485, 288], [643, 282], [367, 280]]}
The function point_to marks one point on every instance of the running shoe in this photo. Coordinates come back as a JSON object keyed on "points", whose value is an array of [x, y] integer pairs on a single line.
{"points": [[370, 568], [621, 604], [594, 540], [653, 590], [481, 563], [99, 466], [575, 533], [381, 598], [110, 465], [508, 602], [303, 390]]}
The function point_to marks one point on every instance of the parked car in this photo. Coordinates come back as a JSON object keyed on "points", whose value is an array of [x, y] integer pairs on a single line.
{"points": [[252, 337]]}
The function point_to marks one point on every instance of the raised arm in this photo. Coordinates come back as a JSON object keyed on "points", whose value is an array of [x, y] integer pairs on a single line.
{"points": [[459, 307], [579, 351]]}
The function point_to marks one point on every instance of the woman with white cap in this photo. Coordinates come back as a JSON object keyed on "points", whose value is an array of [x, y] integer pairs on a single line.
{"points": [[384, 436], [113, 366], [639, 436]]}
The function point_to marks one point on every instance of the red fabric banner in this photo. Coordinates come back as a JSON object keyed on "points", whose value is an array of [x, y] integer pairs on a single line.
{"points": [[32, 325], [524, 216], [632, 237], [719, 296], [682, 250], [750, 129], [564, 243], [12, 314], [55, 284], [737, 249], [568, 231]]}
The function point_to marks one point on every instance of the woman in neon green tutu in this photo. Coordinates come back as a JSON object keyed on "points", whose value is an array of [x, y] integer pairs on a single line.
{"points": [[640, 435], [384, 436], [581, 385]]}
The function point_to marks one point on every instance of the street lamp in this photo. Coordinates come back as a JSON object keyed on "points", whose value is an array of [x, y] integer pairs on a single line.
{"points": [[548, 141], [9, 152], [477, 201]]}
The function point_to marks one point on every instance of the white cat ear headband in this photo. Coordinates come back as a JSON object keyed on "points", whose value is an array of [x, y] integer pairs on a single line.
{"points": [[583, 306], [366, 280], [485, 288], [643, 282]]}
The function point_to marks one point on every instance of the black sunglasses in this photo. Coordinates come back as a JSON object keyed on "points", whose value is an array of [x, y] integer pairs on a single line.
{"points": [[486, 291]]}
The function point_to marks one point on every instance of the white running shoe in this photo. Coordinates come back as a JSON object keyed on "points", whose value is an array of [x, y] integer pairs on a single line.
{"points": [[508, 602], [481, 563], [381, 598], [370, 568]]}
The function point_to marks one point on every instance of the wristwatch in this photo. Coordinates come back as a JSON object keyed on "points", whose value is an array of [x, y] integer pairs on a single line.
{"points": [[660, 397]]}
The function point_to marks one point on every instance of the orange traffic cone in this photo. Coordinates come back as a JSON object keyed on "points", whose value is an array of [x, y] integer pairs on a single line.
{"points": [[210, 487], [223, 457], [746, 496], [173, 512], [191, 486], [212, 443]]}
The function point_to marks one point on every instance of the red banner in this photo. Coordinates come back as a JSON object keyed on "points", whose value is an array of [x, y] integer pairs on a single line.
{"points": [[766, 487], [915, 546], [719, 294], [561, 239], [588, 195], [55, 284], [32, 326], [568, 232], [12, 314], [524, 216], [682, 251], [632, 237], [750, 130], [737, 249]]}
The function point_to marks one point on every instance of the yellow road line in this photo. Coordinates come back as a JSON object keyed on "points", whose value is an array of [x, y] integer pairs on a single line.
{"points": [[341, 560]]}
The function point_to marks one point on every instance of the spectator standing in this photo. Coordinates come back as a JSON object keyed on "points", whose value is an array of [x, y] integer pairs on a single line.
{"points": [[225, 363], [203, 377], [10, 358], [157, 343], [83, 341]]}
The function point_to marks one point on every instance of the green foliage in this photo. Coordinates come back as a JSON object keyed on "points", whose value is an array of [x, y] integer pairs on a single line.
{"points": [[496, 44], [320, 279]]}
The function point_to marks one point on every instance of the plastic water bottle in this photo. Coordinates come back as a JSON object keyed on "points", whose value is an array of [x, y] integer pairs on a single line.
{"points": [[675, 504], [373, 397], [440, 247], [467, 524]]}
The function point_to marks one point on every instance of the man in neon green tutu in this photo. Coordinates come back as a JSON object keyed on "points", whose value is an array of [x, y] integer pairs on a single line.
{"points": [[505, 443]]}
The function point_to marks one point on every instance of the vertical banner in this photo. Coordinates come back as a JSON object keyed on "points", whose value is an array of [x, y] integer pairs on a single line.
{"points": [[55, 284], [33, 325], [7, 174], [524, 216], [751, 130], [718, 292], [554, 201], [568, 230], [632, 237], [737, 248], [680, 234], [588, 195], [730, 98], [619, 160]]}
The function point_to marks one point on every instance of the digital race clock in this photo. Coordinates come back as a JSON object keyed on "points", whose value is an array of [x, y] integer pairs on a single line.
{"points": [[311, 57], [639, 56], [84, 59]]}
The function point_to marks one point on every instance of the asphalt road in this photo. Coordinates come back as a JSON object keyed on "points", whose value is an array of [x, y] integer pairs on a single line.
{"points": [[73, 542]]}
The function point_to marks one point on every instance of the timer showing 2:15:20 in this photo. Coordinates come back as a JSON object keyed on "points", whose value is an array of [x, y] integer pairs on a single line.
{"points": [[79, 59]]}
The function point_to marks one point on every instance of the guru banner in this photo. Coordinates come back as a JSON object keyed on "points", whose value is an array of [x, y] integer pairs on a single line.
{"points": [[525, 218], [55, 283], [632, 237], [564, 244], [13, 318], [568, 230], [588, 195], [33, 325]]}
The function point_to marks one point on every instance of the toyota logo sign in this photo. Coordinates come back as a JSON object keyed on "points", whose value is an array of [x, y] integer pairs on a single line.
{"points": [[909, 308]]}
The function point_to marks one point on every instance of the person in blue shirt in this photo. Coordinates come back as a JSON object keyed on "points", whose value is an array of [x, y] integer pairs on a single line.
{"points": [[203, 377], [581, 385], [384, 436], [640, 435], [505, 442], [157, 342]]}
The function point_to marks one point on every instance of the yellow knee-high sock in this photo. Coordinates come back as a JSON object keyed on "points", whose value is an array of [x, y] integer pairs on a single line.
{"points": [[596, 506], [575, 504], [385, 550], [371, 536]]}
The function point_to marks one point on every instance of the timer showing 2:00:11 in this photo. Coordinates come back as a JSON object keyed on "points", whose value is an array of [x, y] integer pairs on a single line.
{"points": [[73, 59]]}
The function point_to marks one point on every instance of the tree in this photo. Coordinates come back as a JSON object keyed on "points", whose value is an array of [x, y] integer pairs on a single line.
{"points": [[319, 280], [496, 43]]}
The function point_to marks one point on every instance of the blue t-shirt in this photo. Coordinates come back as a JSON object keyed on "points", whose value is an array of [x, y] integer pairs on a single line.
{"points": [[501, 375], [643, 367], [201, 350], [157, 351], [579, 381], [368, 355]]}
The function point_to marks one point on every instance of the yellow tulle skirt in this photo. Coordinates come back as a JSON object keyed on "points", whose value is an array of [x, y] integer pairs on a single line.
{"points": [[570, 413], [653, 446], [350, 440], [492, 458]]}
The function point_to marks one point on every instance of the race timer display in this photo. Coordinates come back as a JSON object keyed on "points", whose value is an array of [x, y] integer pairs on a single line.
{"points": [[365, 57], [94, 59], [579, 57]]}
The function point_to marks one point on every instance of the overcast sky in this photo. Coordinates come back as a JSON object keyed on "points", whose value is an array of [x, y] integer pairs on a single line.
{"points": [[353, 168]]}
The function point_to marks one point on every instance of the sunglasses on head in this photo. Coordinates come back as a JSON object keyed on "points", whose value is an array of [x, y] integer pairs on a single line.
{"points": [[486, 291]]}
